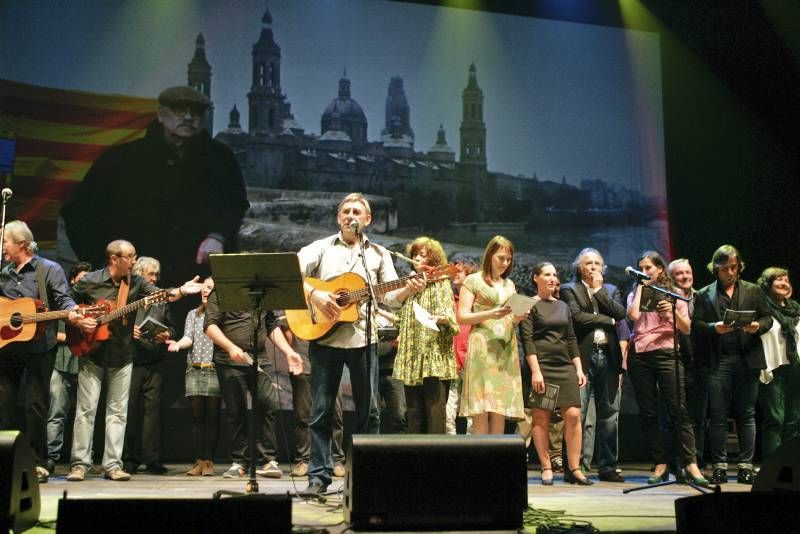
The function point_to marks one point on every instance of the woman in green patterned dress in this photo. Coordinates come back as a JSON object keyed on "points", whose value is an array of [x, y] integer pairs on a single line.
{"points": [[492, 384], [425, 360]]}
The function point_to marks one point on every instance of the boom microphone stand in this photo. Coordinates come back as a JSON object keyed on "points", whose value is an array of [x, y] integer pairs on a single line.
{"points": [[673, 298]]}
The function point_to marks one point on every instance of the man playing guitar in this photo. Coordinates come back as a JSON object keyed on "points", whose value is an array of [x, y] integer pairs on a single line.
{"points": [[326, 259], [28, 275], [112, 359]]}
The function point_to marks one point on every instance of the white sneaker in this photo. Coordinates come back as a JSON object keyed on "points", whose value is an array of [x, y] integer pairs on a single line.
{"points": [[234, 471], [270, 470]]}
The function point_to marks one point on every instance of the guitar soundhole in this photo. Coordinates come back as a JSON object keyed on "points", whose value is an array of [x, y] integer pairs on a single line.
{"points": [[341, 298], [15, 321]]}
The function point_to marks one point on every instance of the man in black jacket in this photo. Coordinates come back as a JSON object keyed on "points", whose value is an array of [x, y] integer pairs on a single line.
{"points": [[595, 308], [143, 429], [735, 357], [176, 193]]}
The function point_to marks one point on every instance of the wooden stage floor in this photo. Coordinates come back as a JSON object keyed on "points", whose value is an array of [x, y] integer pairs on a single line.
{"points": [[603, 504]]}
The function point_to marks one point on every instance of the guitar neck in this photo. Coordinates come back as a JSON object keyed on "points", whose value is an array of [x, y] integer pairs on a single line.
{"points": [[384, 287], [125, 310], [45, 316]]}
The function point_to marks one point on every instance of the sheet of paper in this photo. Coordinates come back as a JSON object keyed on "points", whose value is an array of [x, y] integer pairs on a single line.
{"points": [[425, 318], [520, 304]]}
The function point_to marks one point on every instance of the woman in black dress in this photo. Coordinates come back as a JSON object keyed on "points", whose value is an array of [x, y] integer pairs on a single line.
{"points": [[551, 351]]}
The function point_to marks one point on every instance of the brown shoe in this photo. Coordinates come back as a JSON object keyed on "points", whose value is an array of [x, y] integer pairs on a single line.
{"points": [[117, 474], [338, 470], [208, 468], [300, 469], [197, 468], [77, 474]]}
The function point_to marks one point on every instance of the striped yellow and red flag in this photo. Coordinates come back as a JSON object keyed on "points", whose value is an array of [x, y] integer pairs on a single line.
{"points": [[58, 134]]}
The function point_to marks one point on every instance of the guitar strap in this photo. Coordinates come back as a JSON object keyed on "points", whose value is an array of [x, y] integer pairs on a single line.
{"points": [[122, 295], [40, 279]]}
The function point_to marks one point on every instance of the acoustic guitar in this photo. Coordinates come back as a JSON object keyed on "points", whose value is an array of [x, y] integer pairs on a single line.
{"points": [[20, 318], [312, 323], [83, 343]]}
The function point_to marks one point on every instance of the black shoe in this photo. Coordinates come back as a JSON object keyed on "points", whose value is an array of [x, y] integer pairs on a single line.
{"points": [[745, 476], [315, 489], [610, 476], [130, 467], [570, 478], [155, 468], [719, 476]]}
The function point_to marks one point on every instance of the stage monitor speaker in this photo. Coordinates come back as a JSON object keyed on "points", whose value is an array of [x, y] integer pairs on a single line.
{"points": [[756, 511], [19, 487], [435, 482], [248, 513], [781, 471]]}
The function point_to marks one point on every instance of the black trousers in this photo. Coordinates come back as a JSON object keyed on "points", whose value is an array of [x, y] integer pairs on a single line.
{"points": [[36, 369], [393, 395], [143, 431], [425, 406], [651, 373], [233, 381]]}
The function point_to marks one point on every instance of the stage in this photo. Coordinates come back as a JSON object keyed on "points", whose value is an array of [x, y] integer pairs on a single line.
{"points": [[603, 504]]}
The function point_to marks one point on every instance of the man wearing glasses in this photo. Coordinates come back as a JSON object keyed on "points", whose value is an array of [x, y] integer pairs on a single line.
{"points": [[112, 361], [177, 193]]}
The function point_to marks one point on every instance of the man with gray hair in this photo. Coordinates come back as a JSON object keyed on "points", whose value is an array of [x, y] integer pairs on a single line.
{"points": [[151, 330], [26, 274], [596, 307]]}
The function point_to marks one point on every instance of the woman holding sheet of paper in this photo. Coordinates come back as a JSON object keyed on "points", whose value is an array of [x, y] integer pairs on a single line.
{"points": [[552, 353], [425, 359], [491, 385]]}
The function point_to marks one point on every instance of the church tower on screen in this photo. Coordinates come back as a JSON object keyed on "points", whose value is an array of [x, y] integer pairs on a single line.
{"points": [[199, 77], [268, 105]]}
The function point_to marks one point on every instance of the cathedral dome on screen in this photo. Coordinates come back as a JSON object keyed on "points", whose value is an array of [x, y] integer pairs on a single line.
{"points": [[345, 114]]}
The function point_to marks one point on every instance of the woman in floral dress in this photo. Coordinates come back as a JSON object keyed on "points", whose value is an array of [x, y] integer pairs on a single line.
{"points": [[492, 384], [425, 360]]}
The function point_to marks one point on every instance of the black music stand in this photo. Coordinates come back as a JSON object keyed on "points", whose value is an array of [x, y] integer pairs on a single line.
{"points": [[256, 282]]}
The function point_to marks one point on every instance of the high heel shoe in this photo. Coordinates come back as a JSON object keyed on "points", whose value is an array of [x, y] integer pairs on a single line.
{"points": [[547, 481], [570, 478], [655, 479]]}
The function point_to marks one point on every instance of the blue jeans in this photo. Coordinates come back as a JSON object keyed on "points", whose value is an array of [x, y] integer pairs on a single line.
{"points": [[603, 386], [90, 381], [327, 364], [63, 388], [732, 379]]}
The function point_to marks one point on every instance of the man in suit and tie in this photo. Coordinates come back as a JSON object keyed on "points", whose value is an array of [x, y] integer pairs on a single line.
{"points": [[735, 357], [595, 308]]}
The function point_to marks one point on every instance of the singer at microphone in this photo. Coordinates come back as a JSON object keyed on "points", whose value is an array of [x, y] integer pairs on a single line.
{"points": [[639, 275]]}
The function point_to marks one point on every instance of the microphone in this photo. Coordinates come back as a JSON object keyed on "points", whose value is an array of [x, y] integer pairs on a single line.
{"points": [[355, 227], [639, 275], [6, 193]]}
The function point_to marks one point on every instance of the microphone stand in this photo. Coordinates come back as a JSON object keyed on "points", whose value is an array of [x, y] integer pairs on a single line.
{"points": [[3, 223], [371, 301], [673, 298]]}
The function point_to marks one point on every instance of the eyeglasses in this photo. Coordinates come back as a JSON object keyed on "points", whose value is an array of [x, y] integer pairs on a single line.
{"points": [[182, 110], [131, 257]]}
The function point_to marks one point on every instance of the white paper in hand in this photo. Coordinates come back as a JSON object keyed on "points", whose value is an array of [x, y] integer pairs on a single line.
{"points": [[520, 304], [425, 318]]}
